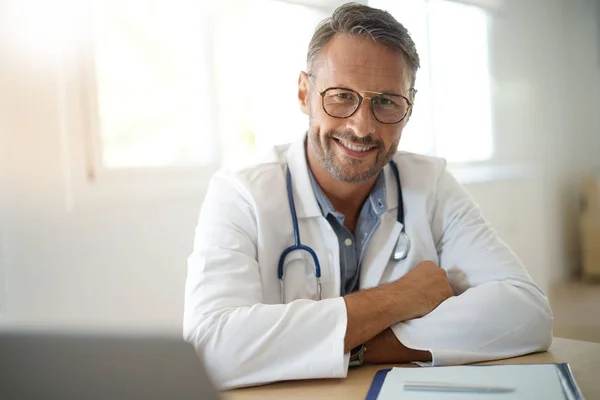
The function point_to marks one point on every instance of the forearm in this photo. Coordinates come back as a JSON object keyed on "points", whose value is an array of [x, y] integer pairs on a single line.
{"points": [[386, 348], [240, 344], [373, 310], [492, 321]]}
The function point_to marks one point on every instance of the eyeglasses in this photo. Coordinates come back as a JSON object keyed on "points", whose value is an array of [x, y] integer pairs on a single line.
{"points": [[387, 108]]}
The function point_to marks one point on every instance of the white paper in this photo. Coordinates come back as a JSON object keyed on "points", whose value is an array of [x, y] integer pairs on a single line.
{"points": [[529, 381]]}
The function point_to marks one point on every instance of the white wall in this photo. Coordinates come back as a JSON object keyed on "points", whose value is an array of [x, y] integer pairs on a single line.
{"points": [[66, 259], [569, 132], [121, 262], [546, 67], [3, 213], [576, 153]]}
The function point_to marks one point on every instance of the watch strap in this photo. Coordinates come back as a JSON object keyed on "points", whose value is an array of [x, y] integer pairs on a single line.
{"points": [[357, 356]]}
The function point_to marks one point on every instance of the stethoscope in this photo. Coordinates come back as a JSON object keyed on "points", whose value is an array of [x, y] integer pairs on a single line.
{"points": [[400, 252]]}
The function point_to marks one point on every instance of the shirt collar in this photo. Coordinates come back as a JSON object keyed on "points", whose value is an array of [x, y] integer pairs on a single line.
{"points": [[377, 196]]}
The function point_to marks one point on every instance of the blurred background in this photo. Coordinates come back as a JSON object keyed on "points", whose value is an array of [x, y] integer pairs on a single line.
{"points": [[114, 114]]}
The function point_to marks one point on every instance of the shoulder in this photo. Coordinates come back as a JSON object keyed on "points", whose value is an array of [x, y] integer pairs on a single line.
{"points": [[256, 177], [420, 171], [421, 162]]}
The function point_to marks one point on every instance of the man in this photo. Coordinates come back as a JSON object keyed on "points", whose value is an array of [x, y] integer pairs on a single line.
{"points": [[416, 276]]}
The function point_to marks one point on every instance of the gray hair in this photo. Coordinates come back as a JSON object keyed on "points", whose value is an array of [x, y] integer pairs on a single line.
{"points": [[359, 20]]}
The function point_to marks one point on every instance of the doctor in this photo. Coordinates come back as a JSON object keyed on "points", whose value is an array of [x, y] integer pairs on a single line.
{"points": [[380, 268]]}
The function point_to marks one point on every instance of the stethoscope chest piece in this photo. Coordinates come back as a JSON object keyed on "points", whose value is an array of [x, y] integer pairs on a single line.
{"points": [[402, 247]]}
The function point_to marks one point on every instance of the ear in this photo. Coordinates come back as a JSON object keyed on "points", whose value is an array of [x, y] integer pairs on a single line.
{"points": [[409, 114], [412, 99], [303, 92]]}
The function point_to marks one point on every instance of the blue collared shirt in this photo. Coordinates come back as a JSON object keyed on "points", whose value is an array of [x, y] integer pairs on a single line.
{"points": [[352, 247]]}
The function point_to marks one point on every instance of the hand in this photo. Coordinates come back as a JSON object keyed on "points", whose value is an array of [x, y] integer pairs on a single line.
{"points": [[428, 285], [373, 310], [385, 348]]}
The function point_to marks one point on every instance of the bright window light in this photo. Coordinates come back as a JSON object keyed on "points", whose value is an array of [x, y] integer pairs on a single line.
{"points": [[271, 37], [158, 107], [153, 94], [460, 77], [43, 32]]}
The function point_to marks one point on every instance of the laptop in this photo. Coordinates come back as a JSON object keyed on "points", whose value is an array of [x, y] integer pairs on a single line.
{"points": [[93, 366]]}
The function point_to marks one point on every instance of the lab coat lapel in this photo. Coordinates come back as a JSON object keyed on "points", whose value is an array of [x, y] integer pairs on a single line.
{"points": [[382, 243], [304, 197], [314, 228]]}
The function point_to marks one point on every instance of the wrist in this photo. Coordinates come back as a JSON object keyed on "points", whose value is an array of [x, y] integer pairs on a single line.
{"points": [[386, 348], [357, 355]]}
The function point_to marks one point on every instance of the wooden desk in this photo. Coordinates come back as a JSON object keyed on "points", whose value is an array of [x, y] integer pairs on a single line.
{"points": [[583, 357]]}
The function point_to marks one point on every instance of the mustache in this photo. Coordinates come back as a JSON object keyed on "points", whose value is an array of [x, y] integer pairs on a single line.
{"points": [[349, 136]]}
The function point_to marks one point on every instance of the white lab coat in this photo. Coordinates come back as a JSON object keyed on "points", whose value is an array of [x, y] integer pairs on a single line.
{"points": [[233, 313]]}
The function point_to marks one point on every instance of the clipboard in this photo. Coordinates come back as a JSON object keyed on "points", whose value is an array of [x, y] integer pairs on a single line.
{"points": [[570, 389]]}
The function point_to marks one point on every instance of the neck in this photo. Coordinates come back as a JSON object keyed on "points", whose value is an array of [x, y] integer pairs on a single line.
{"points": [[345, 197]]}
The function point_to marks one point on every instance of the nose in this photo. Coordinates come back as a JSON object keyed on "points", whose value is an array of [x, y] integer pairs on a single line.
{"points": [[362, 122]]}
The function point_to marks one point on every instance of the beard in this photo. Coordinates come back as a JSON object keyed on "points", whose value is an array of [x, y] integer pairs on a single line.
{"points": [[342, 167]]}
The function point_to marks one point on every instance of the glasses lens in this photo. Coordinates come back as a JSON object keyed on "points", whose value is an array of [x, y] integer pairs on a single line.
{"points": [[340, 103], [390, 109]]}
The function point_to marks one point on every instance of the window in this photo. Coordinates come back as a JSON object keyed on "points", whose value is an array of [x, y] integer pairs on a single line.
{"points": [[174, 89], [179, 84], [452, 116], [152, 84], [259, 52]]}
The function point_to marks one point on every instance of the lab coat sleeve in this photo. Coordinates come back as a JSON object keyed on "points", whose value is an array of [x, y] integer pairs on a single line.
{"points": [[498, 311], [243, 341]]}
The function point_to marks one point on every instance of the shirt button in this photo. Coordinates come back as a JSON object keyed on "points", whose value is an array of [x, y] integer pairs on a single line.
{"points": [[348, 242]]}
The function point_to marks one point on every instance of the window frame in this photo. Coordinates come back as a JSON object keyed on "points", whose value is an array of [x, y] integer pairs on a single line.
{"points": [[95, 170], [90, 182], [87, 182]]}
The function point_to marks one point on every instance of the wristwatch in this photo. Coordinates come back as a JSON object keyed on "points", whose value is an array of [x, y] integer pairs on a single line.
{"points": [[357, 355]]}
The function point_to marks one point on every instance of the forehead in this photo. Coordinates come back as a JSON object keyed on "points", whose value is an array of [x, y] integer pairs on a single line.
{"points": [[360, 63]]}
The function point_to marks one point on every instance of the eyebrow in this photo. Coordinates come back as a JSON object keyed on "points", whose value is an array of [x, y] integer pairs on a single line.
{"points": [[392, 93]]}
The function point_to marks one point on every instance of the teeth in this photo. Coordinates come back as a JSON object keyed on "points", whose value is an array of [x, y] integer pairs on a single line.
{"points": [[353, 147]]}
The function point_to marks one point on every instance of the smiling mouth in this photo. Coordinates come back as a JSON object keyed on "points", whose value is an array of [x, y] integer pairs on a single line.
{"points": [[354, 147]]}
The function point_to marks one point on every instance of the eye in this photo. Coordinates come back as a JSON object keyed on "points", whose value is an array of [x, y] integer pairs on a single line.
{"points": [[340, 96], [385, 101], [343, 96]]}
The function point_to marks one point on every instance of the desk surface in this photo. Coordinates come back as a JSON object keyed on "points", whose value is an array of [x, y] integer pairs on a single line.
{"points": [[583, 357]]}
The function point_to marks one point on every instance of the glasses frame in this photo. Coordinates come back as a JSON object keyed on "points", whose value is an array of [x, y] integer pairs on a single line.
{"points": [[360, 101]]}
